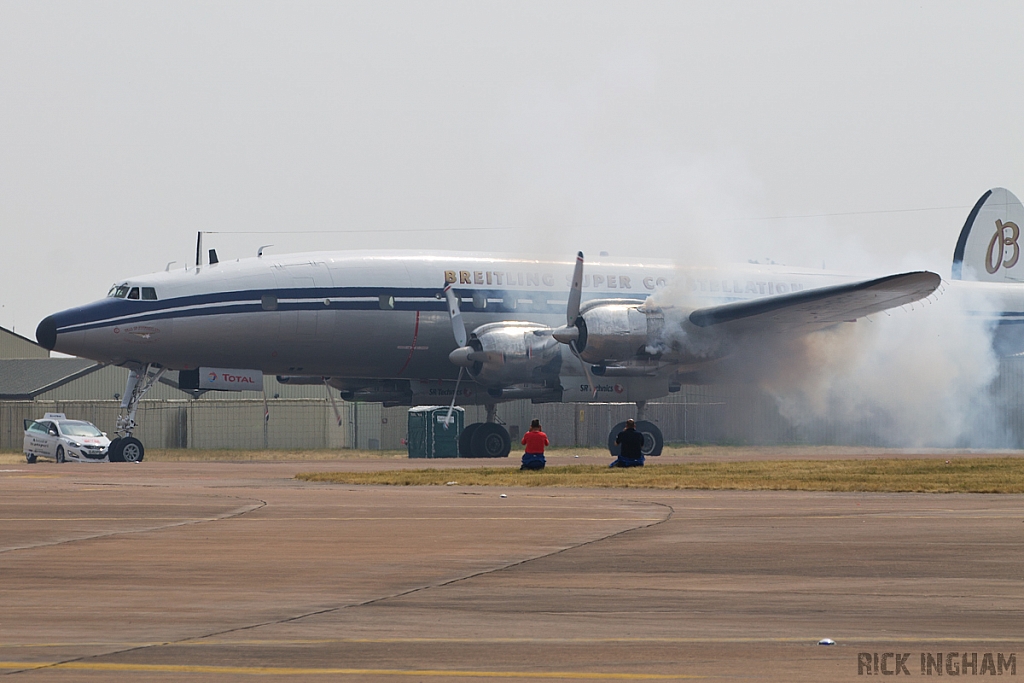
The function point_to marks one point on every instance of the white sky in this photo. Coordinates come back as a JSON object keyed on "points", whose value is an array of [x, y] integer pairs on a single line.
{"points": [[641, 128]]}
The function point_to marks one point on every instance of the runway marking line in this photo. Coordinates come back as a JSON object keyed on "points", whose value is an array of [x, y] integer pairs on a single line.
{"points": [[207, 642], [296, 671], [278, 519]]}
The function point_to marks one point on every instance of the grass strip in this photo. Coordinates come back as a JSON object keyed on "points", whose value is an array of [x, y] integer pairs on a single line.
{"points": [[931, 475]]}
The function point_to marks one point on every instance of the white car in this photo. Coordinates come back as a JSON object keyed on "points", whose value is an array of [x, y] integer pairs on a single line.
{"points": [[61, 439]]}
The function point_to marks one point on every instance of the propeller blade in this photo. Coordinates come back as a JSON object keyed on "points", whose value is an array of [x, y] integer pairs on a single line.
{"points": [[458, 327], [451, 408], [586, 370], [572, 310]]}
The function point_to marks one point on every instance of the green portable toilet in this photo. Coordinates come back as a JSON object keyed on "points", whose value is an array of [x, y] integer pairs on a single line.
{"points": [[428, 437]]}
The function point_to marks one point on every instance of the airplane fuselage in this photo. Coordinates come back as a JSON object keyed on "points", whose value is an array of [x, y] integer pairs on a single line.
{"points": [[380, 314]]}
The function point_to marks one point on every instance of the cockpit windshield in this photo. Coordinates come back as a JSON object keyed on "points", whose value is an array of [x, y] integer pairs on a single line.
{"points": [[128, 292]]}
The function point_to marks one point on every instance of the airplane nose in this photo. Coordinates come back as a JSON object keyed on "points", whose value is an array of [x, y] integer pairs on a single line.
{"points": [[46, 333]]}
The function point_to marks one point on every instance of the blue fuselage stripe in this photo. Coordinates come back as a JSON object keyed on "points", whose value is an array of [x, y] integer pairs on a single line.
{"points": [[128, 312]]}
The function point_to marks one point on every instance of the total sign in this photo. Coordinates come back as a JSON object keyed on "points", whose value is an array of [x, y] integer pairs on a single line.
{"points": [[230, 379]]}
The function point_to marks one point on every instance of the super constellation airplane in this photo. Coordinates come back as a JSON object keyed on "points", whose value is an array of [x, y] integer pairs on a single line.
{"points": [[391, 326]]}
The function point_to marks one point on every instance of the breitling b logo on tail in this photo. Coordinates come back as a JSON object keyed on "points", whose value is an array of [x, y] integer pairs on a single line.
{"points": [[997, 245]]}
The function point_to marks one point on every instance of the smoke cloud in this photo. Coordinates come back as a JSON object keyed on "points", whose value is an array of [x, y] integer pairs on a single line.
{"points": [[912, 378]]}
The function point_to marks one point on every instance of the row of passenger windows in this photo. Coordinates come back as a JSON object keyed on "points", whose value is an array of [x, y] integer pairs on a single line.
{"points": [[126, 292]]}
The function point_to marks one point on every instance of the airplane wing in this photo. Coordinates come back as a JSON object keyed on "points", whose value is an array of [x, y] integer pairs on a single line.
{"points": [[817, 308]]}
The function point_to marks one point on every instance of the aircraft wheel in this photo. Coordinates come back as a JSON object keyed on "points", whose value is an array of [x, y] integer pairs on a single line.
{"points": [[60, 454], [114, 450], [653, 440], [466, 440], [131, 450], [613, 447], [491, 440], [29, 458]]}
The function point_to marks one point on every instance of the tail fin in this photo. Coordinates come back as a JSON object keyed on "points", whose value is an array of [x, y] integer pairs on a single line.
{"points": [[989, 247]]}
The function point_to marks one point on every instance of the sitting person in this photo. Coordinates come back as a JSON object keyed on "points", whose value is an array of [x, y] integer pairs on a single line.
{"points": [[535, 440], [631, 443]]}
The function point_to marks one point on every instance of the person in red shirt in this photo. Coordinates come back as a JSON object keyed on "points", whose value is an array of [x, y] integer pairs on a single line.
{"points": [[535, 440]]}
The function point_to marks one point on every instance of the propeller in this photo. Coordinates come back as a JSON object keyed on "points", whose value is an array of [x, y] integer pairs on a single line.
{"points": [[458, 327], [570, 333], [459, 330]]}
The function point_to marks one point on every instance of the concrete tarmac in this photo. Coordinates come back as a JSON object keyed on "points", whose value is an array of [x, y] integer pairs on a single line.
{"points": [[235, 571]]}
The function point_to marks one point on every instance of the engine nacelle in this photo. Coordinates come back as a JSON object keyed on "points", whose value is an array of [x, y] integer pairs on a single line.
{"points": [[505, 353], [612, 331]]}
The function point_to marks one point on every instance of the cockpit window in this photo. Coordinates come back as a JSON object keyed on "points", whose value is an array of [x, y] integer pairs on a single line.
{"points": [[149, 294], [134, 294], [119, 291]]}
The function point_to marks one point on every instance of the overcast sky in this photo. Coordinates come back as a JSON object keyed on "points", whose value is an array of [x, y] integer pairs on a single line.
{"points": [[679, 129]]}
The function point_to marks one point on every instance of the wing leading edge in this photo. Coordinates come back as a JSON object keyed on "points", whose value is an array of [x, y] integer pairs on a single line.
{"points": [[820, 307]]}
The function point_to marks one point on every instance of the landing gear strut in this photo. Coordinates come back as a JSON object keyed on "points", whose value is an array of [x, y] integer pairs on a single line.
{"points": [[125, 447], [485, 439], [654, 442]]}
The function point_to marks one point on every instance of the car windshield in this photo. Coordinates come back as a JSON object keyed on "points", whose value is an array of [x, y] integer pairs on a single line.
{"points": [[79, 429]]}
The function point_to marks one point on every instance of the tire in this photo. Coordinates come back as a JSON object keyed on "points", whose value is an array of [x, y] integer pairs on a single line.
{"points": [[613, 447], [466, 440], [131, 450], [491, 440], [654, 442], [60, 455], [113, 450], [29, 458]]}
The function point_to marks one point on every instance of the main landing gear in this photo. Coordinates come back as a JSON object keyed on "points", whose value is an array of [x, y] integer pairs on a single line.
{"points": [[485, 439], [654, 442], [125, 447]]}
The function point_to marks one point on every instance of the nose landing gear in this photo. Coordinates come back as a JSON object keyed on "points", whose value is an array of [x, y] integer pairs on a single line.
{"points": [[125, 447]]}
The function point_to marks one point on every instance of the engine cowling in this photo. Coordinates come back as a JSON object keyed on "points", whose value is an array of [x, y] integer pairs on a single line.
{"points": [[505, 353], [612, 331]]}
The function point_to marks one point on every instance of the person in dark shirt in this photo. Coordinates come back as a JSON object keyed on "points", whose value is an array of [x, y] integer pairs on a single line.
{"points": [[535, 440], [631, 443]]}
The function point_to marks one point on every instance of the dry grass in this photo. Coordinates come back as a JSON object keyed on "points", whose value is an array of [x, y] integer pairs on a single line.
{"points": [[968, 475]]}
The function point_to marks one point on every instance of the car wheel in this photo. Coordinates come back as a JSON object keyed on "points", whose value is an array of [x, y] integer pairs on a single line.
{"points": [[491, 440], [60, 454], [131, 450], [29, 458]]}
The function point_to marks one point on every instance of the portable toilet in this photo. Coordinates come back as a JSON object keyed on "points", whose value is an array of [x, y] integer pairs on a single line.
{"points": [[428, 437]]}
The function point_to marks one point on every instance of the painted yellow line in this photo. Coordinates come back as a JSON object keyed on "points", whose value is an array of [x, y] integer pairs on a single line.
{"points": [[474, 518], [104, 519], [296, 671], [331, 519]]}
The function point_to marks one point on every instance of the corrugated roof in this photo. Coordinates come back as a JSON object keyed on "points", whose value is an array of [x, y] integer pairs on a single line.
{"points": [[23, 379], [13, 345]]}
